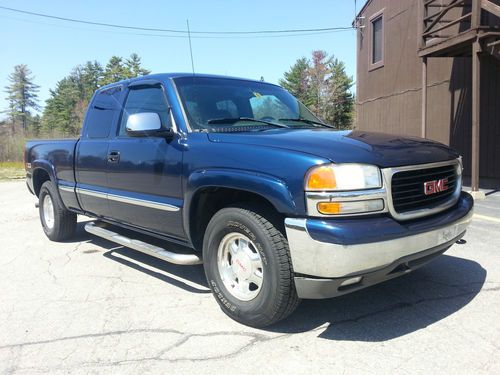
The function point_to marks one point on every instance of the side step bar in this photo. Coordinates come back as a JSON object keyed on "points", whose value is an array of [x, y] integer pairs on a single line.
{"points": [[143, 247]]}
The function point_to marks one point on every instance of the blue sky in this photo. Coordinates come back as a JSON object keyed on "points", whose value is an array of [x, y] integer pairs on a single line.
{"points": [[52, 48]]}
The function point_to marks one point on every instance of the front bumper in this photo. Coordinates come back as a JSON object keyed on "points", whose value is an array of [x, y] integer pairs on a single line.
{"points": [[334, 257]]}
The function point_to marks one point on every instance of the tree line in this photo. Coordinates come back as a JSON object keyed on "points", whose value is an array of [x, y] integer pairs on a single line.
{"points": [[65, 108], [320, 82]]}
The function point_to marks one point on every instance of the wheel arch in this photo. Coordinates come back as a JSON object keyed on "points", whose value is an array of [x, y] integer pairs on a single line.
{"points": [[210, 191], [41, 173]]}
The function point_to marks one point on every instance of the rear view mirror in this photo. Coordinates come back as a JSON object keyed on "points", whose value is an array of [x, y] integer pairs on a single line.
{"points": [[145, 124]]}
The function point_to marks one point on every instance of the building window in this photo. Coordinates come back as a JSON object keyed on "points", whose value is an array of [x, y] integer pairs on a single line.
{"points": [[377, 40]]}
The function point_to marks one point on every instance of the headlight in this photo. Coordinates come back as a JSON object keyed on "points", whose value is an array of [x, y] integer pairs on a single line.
{"points": [[341, 177]]}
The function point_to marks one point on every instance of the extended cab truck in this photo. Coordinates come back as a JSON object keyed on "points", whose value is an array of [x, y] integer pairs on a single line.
{"points": [[276, 204]]}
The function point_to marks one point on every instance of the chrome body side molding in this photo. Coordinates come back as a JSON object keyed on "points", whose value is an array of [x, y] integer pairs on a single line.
{"points": [[143, 202], [120, 198]]}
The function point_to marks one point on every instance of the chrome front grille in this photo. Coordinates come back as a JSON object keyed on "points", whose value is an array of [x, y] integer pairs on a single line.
{"points": [[406, 188], [408, 192]]}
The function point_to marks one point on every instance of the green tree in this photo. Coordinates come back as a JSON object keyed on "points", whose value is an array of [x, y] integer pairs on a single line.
{"points": [[88, 77], [339, 108], [323, 85], [115, 71], [133, 64], [59, 113], [22, 96], [296, 80], [65, 109]]}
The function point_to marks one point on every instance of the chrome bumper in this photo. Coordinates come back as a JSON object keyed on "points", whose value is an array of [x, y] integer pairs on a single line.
{"points": [[314, 260]]}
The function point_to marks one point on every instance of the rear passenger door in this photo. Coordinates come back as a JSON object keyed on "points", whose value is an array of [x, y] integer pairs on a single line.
{"points": [[145, 178], [91, 160]]}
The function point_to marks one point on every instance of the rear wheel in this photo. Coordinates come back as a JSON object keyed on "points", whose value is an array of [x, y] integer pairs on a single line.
{"points": [[57, 222], [248, 267]]}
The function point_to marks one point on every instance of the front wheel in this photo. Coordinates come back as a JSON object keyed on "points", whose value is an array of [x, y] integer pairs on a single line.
{"points": [[248, 267], [57, 222]]}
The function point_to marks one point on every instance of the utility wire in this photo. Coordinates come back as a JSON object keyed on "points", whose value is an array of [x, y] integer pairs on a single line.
{"points": [[229, 32], [173, 36]]}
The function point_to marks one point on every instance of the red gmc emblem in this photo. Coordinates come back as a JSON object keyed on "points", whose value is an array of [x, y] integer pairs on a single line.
{"points": [[436, 186]]}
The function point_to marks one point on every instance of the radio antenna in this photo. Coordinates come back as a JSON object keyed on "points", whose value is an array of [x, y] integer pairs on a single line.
{"points": [[190, 47]]}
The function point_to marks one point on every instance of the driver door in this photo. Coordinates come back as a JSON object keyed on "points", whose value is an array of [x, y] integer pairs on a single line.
{"points": [[144, 176]]}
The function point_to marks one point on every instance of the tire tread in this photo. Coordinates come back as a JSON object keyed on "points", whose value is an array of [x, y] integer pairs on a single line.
{"points": [[287, 300], [65, 221]]}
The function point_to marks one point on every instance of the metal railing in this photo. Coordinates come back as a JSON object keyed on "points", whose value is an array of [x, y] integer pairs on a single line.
{"points": [[444, 19]]}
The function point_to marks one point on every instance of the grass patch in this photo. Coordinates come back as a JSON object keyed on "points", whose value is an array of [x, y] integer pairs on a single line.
{"points": [[11, 170]]}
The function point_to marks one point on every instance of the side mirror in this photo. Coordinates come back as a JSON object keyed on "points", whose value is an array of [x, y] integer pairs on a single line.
{"points": [[146, 124]]}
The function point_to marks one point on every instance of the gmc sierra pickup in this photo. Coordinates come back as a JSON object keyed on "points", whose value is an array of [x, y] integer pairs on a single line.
{"points": [[276, 204]]}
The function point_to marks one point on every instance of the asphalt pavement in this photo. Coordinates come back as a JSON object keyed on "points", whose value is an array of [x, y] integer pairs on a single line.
{"points": [[90, 306]]}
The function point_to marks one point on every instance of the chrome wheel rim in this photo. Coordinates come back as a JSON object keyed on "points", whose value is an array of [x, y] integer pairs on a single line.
{"points": [[240, 266], [48, 212]]}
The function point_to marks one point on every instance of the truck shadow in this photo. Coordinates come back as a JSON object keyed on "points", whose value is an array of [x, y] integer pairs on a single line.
{"points": [[382, 312], [191, 279], [394, 308]]}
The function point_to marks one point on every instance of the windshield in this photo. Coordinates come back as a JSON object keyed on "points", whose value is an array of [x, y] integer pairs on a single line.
{"points": [[213, 104]]}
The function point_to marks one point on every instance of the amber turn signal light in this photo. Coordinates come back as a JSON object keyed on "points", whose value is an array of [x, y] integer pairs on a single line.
{"points": [[329, 208]]}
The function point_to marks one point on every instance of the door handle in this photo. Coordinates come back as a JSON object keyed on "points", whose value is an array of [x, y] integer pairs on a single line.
{"points": [[114, 157]]}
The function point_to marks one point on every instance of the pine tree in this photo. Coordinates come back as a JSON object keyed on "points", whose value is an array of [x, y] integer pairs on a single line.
{"points": [[90, 74], [296, 80], [65, 109], [133, 64], [339, 99], [318, 72], [22, 96], [59, 113], [323, 86], [115, 71]]}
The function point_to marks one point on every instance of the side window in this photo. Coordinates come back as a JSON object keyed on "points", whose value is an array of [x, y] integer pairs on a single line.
{"points": [[377, 40], [101, 114], [144, 99]]}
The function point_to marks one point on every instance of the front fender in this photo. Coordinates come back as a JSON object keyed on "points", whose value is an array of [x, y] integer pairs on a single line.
{"points": [[269, 187]]}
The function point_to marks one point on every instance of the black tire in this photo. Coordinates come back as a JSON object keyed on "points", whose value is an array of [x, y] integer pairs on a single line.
{"points": [[277, 297], [64, 221]]}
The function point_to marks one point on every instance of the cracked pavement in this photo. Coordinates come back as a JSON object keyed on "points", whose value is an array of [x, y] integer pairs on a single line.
{"points": [[90, 306]]}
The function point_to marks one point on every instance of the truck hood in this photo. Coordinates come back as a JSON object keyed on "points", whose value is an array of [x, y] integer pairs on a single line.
{"points": [[379, 149]]}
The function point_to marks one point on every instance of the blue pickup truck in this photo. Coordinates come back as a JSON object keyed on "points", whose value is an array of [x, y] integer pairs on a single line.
{"points": [[276, 204]]}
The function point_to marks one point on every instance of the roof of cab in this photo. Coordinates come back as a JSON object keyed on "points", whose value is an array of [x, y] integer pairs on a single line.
{"points": [[166, 76]]}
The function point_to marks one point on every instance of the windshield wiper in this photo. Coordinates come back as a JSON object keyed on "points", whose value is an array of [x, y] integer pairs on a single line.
{"points": [[312, 122], [249, 119]]}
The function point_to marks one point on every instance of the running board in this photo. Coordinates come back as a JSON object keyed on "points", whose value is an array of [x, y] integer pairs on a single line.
{"points": [[143, 247]]}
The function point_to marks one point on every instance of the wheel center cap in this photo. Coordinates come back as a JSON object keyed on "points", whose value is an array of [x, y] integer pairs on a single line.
{"points": [[242, 266]]}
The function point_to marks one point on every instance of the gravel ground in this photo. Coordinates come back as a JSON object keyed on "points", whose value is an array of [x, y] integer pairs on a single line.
{"points": [[89, 306]]}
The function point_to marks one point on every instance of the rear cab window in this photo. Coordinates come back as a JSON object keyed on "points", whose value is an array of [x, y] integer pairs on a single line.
{"points": [[102, 113]]}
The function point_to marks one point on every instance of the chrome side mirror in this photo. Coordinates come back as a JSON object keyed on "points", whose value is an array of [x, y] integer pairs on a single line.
{"points": [[146, 124], [143, 122]]}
